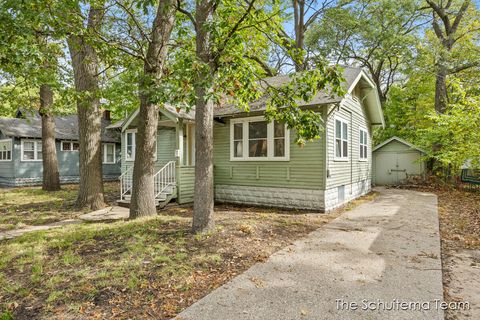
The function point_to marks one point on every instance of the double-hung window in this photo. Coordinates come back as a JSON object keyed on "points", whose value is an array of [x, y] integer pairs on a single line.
{"points": [[363, 145], [341, 139], [256, 139], [130, 136], [70, 146], [130, 145], [31, 150], [109, 153], [6, 150]]}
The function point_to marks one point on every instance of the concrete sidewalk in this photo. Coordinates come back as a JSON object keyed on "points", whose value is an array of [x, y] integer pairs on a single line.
{"points": [[378, 255]]}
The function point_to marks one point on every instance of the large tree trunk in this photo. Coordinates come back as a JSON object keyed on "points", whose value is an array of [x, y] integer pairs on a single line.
{"points": [[51, 175], [441, 88], [203, 198], [143, 197], [85, 69], [299, 21]]}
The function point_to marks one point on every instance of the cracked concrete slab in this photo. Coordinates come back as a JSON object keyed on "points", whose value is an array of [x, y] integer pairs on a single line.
{"points": [[377, 256]]}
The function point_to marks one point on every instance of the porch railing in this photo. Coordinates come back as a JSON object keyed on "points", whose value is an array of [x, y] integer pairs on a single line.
{"points": [[126, 182], [164, 178]]}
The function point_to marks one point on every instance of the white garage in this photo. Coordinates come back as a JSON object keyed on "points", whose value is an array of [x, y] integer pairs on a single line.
{"points": [[395, 161]]}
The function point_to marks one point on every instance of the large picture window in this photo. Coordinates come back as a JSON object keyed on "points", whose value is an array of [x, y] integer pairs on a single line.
{"points": [[6, 150], [256, 139], [363, 145], [31, 150], [341, 139]]}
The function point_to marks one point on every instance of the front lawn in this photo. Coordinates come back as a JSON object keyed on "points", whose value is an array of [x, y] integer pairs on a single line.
{"points": [[33, 206], [149, 268]]}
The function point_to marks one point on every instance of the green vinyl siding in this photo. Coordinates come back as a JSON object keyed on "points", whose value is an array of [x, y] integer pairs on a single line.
{"points": [[165, 148], [304, 170], [353, 170], [186, 182]]}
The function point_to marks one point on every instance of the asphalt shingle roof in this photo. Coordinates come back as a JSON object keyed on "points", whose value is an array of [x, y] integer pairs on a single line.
{"points": [[66, 128], [349, 74]]}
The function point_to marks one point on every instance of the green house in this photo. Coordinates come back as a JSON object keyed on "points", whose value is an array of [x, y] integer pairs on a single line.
{"points": [[258, 163]]}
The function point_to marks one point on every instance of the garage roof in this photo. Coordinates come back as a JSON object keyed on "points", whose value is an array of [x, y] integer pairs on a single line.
{"points": [[384, 143]]}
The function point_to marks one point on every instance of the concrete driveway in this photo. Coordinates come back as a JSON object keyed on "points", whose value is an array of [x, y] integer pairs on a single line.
{"points": [[370, 263]]}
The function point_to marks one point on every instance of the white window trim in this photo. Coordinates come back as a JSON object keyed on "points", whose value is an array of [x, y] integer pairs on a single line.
{"points": [[70, 142], [35, 150], [270, 141], [343, 158], [11, 149], [132, 159], [360, 145], [105, 153]]}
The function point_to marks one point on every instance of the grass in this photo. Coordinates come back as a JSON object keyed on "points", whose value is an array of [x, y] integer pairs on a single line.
{"points": [[33, 206], [146, 268]]}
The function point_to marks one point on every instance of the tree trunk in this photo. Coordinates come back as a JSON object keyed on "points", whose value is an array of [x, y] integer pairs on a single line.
{"points": [[143, 196], [85, 69], [51, 175], [299, 21], [441, 88], [203, 197]]}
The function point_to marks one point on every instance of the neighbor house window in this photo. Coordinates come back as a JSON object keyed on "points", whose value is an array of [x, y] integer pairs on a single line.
{"points": [[256, 139], [130, 145], [31, 150], [363, 144], [6, 150], [109, 153], [341, 139], [69, 146]]}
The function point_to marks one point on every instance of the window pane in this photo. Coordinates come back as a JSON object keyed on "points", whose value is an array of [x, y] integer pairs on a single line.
{"points": [[238, 131], [75, 146], [129, 138], [361, 137], [39, 155], [28, 146], [257, 148], [9, 155], [65, 146], [39, 146], [345, 134], [110, 158], [278, 130], [129, 152], [338, 129], [338, 148], [361, 152], [279, 148], [345, 149], [257, 130], [28, 155], [238, 149]]}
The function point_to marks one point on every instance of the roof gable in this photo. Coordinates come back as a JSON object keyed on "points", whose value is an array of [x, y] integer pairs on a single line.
{"points": [[400, 140]]}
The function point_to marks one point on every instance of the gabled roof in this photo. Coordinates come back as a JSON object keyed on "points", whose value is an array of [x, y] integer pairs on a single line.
{"points": [[352, 76], [384, 143], [167, 109], [66, 128]]}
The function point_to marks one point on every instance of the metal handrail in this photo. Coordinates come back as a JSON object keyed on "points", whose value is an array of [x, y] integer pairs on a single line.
{"points": [[126, 182], [164, 178]]}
